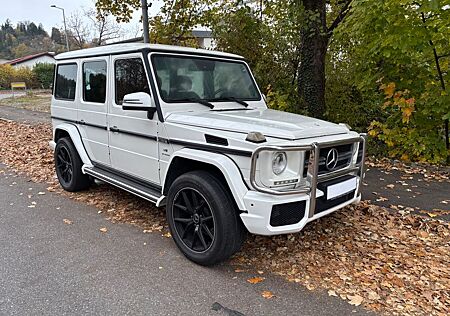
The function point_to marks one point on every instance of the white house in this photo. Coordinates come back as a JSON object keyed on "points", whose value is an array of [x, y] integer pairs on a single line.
{"points": [[204, 38], [31, 60]]}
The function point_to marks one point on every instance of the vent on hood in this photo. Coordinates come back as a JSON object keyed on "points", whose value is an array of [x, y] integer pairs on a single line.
{"points": [[216, 140]]}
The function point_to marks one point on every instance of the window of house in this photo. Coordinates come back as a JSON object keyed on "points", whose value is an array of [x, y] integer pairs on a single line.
{"points": [[130, 77], [94, 81], [66, 82]]}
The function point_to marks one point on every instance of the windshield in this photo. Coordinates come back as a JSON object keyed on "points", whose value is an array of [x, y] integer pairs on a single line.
{"points": [[183, 79]]}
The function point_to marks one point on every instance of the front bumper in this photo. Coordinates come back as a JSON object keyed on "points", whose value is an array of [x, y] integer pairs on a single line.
{"points": [[260, 202]]}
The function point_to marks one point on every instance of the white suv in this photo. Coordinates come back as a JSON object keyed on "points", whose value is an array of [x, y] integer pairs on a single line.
{"points": [[189, 129]]}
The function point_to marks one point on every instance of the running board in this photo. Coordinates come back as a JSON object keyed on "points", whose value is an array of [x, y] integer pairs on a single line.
{"points": [[140, 189]]}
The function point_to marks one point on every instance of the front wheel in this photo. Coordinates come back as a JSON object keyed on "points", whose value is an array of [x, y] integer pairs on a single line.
{"points": [[203, 219]]}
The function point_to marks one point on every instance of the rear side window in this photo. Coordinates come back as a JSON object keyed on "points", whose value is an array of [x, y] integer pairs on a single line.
{"points": [[130, 77], [66, 82], [94, 81]]}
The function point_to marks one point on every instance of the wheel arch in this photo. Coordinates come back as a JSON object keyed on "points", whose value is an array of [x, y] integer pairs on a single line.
{"points": [[221, 166], [71, 131]]}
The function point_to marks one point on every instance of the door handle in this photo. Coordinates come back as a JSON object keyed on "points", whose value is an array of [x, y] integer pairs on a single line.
{"points": [[114, 129], [81, 122]]}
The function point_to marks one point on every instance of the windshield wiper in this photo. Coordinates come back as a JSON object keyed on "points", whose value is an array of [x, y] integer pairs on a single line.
{"points": [[195, 100], [230, 99]]}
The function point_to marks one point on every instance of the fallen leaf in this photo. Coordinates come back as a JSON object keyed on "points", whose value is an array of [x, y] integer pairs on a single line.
{"points": [[103, 229], [355, 300], [390, 186], [267, 294], [332, 293], [67, 221], [255, 280]]}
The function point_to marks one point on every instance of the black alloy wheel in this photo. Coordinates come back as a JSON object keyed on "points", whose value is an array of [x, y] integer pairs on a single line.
{"points": [[203, 218], [64, 165], [68, 166], [194, 221]]}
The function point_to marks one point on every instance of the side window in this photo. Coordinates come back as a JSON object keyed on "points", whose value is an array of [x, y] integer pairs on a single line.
{"points": [[130, 77], [66, 82], [94, 81]]}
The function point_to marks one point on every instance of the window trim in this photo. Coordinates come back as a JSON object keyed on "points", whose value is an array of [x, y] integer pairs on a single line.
{"points": [[83, 82], [242, 62], [56, 80], [115, 81]]}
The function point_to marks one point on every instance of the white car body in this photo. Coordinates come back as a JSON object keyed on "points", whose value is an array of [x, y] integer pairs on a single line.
{"points": [[139, 153]]}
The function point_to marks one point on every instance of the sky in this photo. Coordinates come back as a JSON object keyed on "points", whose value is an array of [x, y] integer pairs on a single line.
{"points": [[39, 11]]}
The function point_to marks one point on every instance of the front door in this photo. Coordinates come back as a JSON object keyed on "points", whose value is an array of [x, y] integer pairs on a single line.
{"points": [[92, 111], [132, 136]]}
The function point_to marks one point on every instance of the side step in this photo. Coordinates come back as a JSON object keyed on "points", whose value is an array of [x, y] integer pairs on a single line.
{"points": [[138, 188]]}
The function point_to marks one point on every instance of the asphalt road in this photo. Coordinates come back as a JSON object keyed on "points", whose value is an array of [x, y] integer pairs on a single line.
{"points": [[48, 267]]}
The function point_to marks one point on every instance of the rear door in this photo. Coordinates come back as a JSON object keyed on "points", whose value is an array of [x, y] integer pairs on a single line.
{"points": [[92, 111], [132, 136]]}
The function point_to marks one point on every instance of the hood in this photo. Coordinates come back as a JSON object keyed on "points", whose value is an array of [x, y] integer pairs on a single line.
{"points": [[271, 123]]}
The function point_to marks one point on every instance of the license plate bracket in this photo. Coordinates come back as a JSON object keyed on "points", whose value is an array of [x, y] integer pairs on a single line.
{"points": [[341, 188]]}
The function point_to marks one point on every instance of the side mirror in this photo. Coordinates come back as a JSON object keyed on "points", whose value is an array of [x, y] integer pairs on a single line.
{"points": [[139, 101]]}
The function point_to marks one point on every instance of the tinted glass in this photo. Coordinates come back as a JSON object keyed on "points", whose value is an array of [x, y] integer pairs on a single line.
{"points": [[94, 81], [66, 82], [130, 77], [181, 78]]}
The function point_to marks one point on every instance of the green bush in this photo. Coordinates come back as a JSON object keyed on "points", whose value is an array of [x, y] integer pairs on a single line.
{"points": [[43, 73]]}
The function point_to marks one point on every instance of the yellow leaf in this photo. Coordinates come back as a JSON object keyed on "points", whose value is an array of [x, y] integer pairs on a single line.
{"points": [[355, 300], [103, 229], [389, 90], [267, 294], [255, 280]]}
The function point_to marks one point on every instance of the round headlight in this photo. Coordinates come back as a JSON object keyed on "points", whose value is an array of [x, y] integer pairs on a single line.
{"points": [[279, 162]]}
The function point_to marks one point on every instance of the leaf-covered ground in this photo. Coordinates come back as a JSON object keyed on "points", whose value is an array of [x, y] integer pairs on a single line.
{"points": [[388, 262]]}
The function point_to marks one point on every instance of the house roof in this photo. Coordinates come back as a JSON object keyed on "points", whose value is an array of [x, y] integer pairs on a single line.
{"points": [[29, 57], [137, 47]]}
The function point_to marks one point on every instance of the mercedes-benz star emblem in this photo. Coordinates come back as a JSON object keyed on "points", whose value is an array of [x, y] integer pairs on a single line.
{"points": [[332, 159]]}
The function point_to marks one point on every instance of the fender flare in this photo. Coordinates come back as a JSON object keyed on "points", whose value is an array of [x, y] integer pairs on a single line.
{"points": [[75, 136], [226, 166]]}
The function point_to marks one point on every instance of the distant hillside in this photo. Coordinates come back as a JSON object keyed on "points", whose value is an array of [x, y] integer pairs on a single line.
{"points": [[27, 38]]}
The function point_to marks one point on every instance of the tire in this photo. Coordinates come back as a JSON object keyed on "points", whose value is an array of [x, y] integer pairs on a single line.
{"points": [[197, 200], [68, 167]]}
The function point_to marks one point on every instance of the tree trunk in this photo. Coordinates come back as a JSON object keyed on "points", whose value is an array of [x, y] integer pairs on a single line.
{"points": [[314, 42]]}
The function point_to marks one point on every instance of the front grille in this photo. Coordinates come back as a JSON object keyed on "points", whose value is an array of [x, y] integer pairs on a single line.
{"points": [[287, 214], [345, 153]]}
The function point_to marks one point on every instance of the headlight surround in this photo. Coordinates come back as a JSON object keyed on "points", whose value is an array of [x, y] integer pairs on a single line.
{"points": [[279, 162]]}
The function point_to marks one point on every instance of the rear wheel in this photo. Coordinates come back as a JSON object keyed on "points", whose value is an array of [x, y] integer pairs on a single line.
{"points": [[203, 219], [68, 167]]}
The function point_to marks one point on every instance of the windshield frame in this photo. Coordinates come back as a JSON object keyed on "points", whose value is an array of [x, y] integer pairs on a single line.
{"points": [[152, 55]]}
